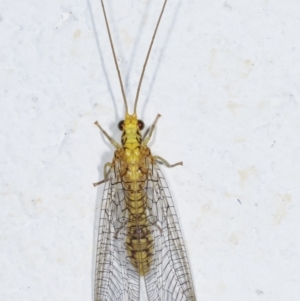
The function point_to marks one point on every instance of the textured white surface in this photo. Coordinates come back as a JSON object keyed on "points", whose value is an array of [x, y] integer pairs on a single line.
{"points": [[225, 76]]}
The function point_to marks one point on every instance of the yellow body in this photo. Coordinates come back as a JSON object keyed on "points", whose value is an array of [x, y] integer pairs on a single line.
{"points": [[133, 158], [136, 204]]}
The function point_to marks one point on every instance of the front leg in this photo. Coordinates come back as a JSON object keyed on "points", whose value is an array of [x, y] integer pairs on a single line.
{"points": [[146, 140], [111, 140]]}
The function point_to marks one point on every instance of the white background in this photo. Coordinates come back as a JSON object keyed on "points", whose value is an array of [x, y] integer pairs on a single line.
{"points": [[224, 75]]}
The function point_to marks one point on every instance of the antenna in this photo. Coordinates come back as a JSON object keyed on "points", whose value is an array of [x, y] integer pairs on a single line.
{"points": [[147, 57], [145, 63], [115, 59]]}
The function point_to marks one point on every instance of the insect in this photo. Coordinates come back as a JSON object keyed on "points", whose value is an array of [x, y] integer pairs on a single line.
{"points": [[139, 237]]}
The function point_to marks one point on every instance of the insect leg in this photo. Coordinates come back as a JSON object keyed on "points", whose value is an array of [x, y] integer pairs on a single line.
{"points": [[165, 162], [111, 140], [107, 164], [146, 140]]}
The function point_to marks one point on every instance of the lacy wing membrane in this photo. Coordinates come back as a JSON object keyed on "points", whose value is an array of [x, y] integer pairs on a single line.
{"points": [[169, 278], [115, 277]]}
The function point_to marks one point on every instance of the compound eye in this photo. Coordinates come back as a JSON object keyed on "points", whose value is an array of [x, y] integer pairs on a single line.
{"points": [[141, 124], [121, 125]]}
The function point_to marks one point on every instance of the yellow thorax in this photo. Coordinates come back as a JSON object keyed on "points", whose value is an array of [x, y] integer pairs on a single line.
{"points": [[131, 127]]}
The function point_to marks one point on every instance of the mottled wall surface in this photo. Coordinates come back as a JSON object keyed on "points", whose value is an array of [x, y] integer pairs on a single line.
{"points": [[224, 75]]}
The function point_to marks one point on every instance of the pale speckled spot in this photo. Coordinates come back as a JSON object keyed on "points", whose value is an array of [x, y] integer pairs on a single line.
{"points": [[82, 211], [74, 48], [229, 195], [245, 174], [233, 106], [259, 255], [206, 208], [239, 139], [9, 70], [235, 238], [74, 51], [61, 260], [281, 212], [232, 89], [77, 34], [262, 104], [127, 38], [221, 289], [37, 201], [198, 221], [37, 206], [55, 219], [224, 63]]}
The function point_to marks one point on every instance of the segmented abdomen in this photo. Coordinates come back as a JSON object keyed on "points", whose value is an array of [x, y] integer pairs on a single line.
{"points": [[139, 240]]}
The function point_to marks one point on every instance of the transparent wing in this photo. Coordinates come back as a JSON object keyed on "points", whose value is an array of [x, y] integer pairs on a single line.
{"points": [[115, 279], [169, 278]]}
